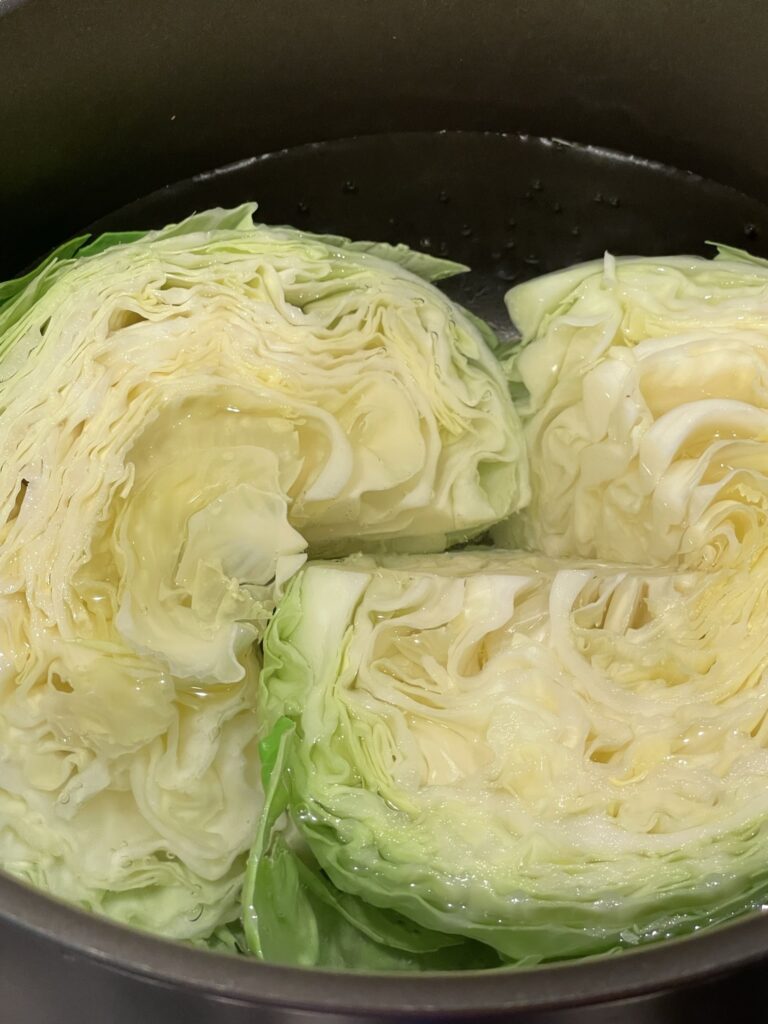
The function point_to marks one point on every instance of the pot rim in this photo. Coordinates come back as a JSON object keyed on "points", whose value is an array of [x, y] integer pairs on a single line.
{"points": [[671, 963]]}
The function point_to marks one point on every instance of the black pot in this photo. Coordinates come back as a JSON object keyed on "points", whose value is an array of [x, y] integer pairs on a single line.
{"points": [[103, 103]]}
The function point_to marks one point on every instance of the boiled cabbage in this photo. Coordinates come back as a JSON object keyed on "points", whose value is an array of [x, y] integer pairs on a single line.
{"points": [[646, 410], [182, 416], [548, 760], [294, 914]]}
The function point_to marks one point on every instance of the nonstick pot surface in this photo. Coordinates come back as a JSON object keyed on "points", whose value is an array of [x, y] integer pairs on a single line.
{"points": [[511, 207]]}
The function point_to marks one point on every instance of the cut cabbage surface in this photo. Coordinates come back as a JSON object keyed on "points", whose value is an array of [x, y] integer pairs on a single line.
{"points": [[646, 410], [548, 760], [183, 415]]}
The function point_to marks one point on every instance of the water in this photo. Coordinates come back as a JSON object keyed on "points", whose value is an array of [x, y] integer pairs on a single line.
{"points": [[541, 203]]}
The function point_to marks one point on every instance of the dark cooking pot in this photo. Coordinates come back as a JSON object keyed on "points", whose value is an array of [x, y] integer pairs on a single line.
{"points": [[102, 103]]}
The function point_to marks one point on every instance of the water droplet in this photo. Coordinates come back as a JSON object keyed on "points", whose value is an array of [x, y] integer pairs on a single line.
{"points": [[598, 197], [751, 230], [614, 201], [443, 197], [196, 913], [537, 185], [350, 187], [531, 260], [511, 222], [64, 798], [496, 254], [509, 245], [302, 207], [425, 242], [466, 230], [557, 207], [575, 230], [507, 273]]}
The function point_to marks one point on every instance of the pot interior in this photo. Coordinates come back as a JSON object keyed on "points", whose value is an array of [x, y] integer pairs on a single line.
{"points": [[509, 206]]}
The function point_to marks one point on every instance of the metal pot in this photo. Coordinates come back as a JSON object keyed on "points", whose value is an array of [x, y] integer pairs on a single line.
{"points": [[105, 103]]}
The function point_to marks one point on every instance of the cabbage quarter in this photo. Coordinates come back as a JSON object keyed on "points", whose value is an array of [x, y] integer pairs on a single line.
{"points": [[643, 384], [548, 760], [182, 416]]}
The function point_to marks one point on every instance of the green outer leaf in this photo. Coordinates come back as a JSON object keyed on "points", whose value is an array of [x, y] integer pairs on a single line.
{"points": [[293, 914], [731, 252], [274, 752], [422, 264], [10, 289], [238, 218], [108, 240], [382, 926]]}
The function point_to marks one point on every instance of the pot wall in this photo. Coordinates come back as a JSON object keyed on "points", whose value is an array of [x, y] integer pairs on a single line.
{"points": [[102, 102]]}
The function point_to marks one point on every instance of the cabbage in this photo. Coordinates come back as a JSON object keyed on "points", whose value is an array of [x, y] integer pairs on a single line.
{"points": [[549, 760], [646, 410], [294, 914], [183, 415]]}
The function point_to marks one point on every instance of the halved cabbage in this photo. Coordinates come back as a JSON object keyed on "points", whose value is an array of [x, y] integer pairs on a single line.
{"points": [[181, 416], [646, 410], [549, 760]]}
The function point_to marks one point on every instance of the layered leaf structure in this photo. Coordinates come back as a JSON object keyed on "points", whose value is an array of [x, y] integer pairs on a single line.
{"points": [[183, 415], [538, 759], [645, 386]]}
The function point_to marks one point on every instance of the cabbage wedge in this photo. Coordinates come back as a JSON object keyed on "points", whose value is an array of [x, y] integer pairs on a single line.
{"points": [[549, 760], [183, 415], [646, 410]]}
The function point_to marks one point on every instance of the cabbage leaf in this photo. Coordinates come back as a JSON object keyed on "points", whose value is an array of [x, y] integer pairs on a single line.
{"points": [[294, 914]]}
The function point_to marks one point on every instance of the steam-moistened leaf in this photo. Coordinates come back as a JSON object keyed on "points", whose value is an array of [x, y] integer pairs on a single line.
{"points": [[647, 409], [294, 914], [183, 415], [550, 760]]}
